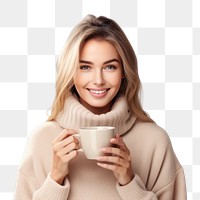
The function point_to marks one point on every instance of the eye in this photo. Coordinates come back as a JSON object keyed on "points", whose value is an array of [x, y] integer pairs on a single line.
{"points": [[110, 67], [85, 67]]}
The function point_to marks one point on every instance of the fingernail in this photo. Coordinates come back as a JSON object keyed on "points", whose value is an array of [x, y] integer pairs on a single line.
{"points": [[112, 139], [103, 150], [99, 164], [99, 158]]}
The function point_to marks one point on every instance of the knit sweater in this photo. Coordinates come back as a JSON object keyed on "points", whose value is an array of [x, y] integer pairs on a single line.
{"points": [[158, 174]]}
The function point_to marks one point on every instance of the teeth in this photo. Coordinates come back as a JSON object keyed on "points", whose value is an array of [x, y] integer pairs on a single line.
{"points": [[98, 91]]}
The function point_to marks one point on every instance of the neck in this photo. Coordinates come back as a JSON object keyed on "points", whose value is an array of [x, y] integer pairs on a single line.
{"points": [[75, 115], [97, 110]]}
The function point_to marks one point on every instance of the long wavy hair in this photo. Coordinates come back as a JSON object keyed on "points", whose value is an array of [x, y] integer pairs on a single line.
{"points": [[106, 29]]}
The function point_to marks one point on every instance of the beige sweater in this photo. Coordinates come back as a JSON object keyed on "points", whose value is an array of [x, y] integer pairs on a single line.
{"points": [[158, 172]]}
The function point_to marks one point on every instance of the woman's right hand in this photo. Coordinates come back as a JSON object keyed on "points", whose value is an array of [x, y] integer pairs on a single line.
{"points": [[65, 148]]}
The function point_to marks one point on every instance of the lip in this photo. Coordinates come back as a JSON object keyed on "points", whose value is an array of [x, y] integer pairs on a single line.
{"points": [[99, 93]]}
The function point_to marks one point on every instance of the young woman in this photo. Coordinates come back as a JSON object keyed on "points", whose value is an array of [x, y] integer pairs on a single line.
{"points": [[98, 84]]}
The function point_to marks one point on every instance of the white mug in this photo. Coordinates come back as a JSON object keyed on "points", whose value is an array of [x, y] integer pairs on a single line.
{"points": [[93, 138]]}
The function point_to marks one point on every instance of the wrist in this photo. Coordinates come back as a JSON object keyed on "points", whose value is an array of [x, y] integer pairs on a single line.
{"points": [[127, 180], [57, 178]]}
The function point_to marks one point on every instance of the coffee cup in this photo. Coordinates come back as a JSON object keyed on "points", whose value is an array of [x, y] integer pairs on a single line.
{"points": [[92, 139]]}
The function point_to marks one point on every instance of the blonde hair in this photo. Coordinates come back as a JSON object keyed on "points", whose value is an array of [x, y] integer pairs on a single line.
{"points": [[106, 29]]}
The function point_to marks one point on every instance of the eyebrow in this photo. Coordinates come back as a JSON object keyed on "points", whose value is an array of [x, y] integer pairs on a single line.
{"points": [[106, 62]]}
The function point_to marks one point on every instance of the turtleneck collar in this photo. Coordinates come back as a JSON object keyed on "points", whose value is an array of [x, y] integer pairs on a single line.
{"points": [[75, 115]]}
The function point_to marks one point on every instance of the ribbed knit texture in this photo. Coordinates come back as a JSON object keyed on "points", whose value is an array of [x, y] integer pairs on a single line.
{"points": [[51, 190], [75, 116], [139, 190], [158, 174]]}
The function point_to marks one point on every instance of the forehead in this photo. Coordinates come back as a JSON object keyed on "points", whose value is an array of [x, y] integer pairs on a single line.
{"points": [[98, 49]]}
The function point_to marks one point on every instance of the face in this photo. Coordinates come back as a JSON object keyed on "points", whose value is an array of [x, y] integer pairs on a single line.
{"points": [[99, 76]]}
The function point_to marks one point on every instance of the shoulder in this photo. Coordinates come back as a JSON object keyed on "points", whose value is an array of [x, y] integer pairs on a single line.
{"points": [[44, 133], [150, 128], [40, 141], [148, 141], [46, 129], [38, 151], [152, 152], [149, 134]]}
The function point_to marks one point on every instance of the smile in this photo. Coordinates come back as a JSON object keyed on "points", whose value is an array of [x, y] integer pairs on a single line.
{"points": [[99, 92]]}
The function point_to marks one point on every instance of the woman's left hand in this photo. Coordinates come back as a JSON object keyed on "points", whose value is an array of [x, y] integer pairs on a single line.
{"points": [[118, 160]]}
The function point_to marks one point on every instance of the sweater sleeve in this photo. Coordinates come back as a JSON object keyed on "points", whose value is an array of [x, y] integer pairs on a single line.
{"points": [[135, 190], [159, 175], [49, 190], [34, 181]]}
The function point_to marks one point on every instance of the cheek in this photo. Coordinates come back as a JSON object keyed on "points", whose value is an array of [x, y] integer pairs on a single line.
{"points": [[116, 80], [80, 80], [77, 83]]}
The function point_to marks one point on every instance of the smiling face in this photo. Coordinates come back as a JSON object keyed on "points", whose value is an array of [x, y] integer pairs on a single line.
{"points": [[99, 76]]}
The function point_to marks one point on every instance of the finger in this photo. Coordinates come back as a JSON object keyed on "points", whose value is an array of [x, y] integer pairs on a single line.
{"points": [[111, 167], [64, 151], [64, 134], [114, 160], [66, 158], [119, 142], [65, 143], [62, 144], [117, 152], [72, 146], [69, 140]]}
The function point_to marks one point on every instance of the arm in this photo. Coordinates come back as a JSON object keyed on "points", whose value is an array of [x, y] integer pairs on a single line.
{"points": [[136, 189], [49, 190], [34, 178], [159, 176], [129, 185]]}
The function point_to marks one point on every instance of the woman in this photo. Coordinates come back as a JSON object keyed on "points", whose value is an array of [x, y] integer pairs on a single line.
{"points": [[98, 84]]}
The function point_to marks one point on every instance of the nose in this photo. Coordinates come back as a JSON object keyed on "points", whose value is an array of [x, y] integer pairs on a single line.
{"points": [[98, 78]]}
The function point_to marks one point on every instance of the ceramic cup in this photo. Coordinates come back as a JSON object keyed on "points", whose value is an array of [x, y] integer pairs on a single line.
{"points": [[92, 139]]}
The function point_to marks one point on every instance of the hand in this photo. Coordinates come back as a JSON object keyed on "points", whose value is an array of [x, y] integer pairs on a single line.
{"points": [[64, 150], [118, 160]]}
